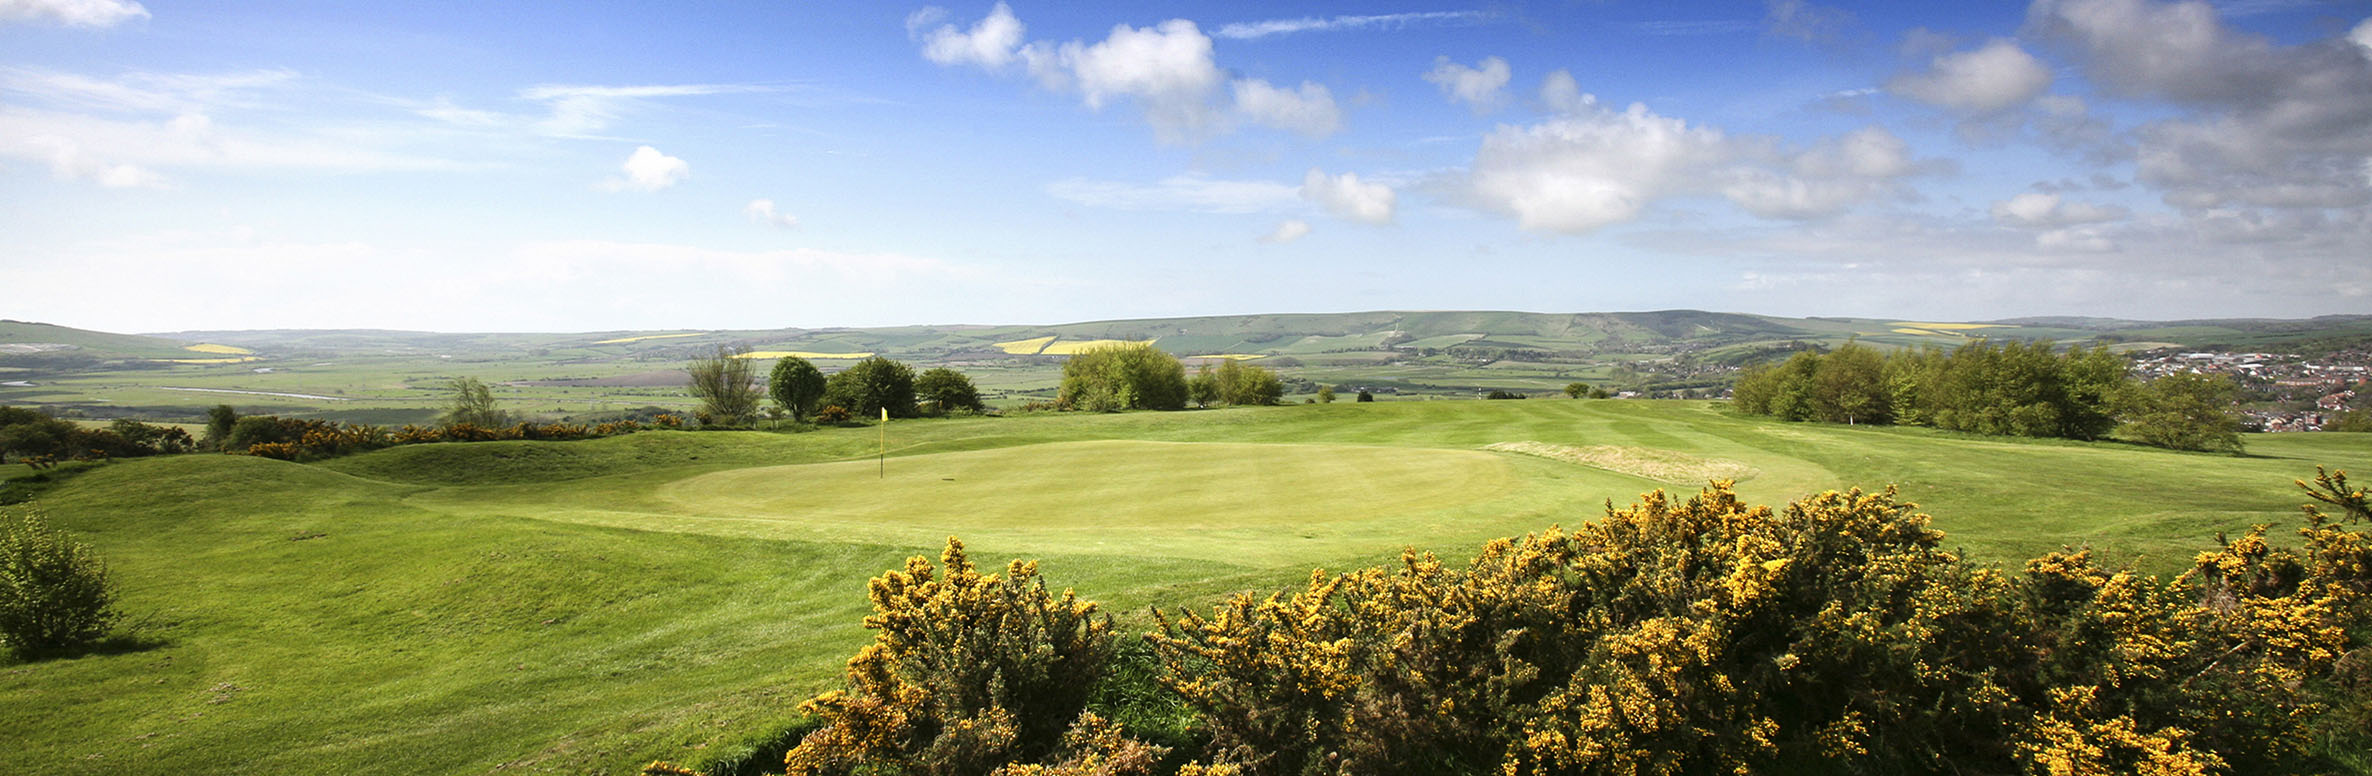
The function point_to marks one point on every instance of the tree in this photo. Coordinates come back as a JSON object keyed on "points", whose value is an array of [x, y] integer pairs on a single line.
{"points": [[869, 386], [2352, 420], [218, 425], [54, 592], [1365, 396], [1125, 376], [947, 390], [1576, 390], [1203, 390], [796, 385], [2186, 411], [1325, 394], [473, 405], [1849, 386], [722, 382]]}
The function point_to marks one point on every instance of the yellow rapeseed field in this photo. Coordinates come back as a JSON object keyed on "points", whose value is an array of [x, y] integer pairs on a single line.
{"points": [[1027, 347], [230, 360], [798, 354], [624, 340], [1918, 331], [1233, 356], [227, 350], [1072, 347]]}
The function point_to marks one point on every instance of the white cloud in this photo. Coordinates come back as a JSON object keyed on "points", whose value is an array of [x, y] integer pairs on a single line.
{"points": [[1562, 94], [1310, 110], [1347, 197], [73, 13], [1166, 70], [649, 170], [1589, 167], [762, 211], [2362, 37], [1192, 192], [992, 42], [1479, 86], [2041, 209], [1993, 78], [1289, 230], [1579, 172], [578, 110], [145, 92], [1393, 21], [68, 162]]}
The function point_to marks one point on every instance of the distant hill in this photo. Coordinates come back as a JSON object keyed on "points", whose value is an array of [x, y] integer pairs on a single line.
{"points": [[19, 338], [1716, 335]]}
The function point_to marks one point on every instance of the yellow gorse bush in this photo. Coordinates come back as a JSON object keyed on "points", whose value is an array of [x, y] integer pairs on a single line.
{"points": [[1672, 636]]}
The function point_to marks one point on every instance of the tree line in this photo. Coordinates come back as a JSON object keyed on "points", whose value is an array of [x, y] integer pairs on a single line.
{"points": [[1836, 635], [2012, 389]]}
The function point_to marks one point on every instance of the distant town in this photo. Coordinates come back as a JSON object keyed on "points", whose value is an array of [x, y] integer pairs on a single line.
{"points": [[2283, 392]]}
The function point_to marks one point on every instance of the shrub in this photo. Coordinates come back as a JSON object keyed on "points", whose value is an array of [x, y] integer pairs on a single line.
{"points": [[54, 593], [721, 380], [1365, 396], [966, 672], [1124, 376]]}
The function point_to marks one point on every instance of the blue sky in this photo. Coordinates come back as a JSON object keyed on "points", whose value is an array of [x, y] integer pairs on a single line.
{"points": [[598, 166]]}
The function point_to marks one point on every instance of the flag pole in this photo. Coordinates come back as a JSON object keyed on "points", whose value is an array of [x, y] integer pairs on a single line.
{"points": [[881, 458]]}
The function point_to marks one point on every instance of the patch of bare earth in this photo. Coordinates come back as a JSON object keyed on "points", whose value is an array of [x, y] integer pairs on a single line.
{"points": [[1659, 465]]}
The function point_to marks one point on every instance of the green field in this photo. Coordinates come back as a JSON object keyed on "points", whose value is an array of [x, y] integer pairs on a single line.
{"points": [[585, 607]]}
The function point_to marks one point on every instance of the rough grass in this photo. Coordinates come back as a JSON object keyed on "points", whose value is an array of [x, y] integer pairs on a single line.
{"points": [[1660, 465], [586, 607]]}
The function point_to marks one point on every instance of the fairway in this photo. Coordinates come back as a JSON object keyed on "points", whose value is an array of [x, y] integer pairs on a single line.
{"points": [[1130, 494]]}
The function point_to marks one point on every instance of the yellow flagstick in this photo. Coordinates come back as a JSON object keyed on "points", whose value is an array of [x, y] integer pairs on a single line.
{"points": [[881, 459]]}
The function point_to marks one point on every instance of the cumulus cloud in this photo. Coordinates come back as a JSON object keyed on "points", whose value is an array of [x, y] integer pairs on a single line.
{"points": [[649, 170], [1478, 86], [1390, 21], [1589, 166], [992, 42], [72, 13], [1191, 192], [2043, 209], [1584, 170], [762, 211], [1825, 179], [1166, 70], [2259, 125], [1309, 110], [1347, 197], [1993, 78], [1291, 229]]}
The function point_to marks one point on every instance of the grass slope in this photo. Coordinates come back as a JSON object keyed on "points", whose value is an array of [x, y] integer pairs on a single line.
{"points": [[585, 607]]}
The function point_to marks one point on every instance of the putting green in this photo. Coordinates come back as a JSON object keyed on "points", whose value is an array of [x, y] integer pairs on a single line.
{"points": [[1230, 501]]}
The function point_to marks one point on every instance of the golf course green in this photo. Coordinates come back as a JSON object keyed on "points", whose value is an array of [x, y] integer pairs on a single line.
{"points": [[586, 607]]}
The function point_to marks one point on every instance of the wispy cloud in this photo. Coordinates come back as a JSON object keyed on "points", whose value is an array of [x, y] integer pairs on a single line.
{"points": [[584, 109], [1390, 21], [1683, 27], [1191, 192], [72, 13]]}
